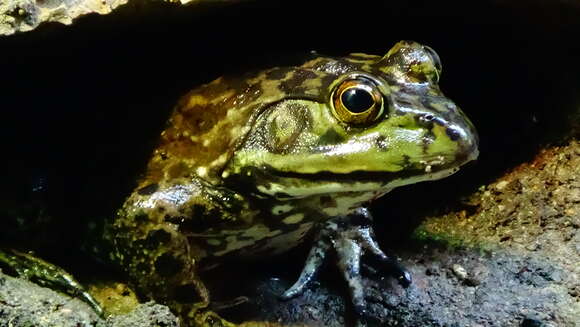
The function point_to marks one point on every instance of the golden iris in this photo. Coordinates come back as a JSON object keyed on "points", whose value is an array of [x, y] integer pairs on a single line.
{"points": [[357, 101]]}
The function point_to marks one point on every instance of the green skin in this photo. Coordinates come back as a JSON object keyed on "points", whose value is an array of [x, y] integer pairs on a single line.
{"points": [[248, 167]]}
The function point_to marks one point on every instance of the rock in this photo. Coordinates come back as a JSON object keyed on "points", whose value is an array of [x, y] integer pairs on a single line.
{"points": [[26, 15], [24, 304], [459, 271]]}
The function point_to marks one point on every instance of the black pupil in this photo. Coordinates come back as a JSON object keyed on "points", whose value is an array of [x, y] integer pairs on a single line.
{"points": [[357, 100]]}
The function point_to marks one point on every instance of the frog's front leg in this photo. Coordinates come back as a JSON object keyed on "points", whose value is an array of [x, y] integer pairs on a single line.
{"points": [[160, 235], [350, 236]]}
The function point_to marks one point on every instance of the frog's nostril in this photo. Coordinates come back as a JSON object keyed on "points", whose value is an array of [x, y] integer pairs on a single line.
{"points": [[452, 133], [426, 120]]}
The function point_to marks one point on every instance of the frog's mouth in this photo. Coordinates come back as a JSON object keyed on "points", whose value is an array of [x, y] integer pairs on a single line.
{"points": [[429, 166], [268, 181]]}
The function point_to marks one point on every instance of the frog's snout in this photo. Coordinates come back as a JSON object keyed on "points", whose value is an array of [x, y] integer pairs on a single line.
{"points": [[467, 139], [468, 148], [454, 127]]}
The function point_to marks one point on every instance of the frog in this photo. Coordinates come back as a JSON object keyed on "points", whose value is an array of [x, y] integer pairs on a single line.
{"points": [[253, 166]]}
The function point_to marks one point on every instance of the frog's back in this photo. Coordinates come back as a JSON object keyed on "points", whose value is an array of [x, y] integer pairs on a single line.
{"points": [[203, 130], [210, 122]]}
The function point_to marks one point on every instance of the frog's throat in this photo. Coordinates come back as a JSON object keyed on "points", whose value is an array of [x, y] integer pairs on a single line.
{"points": [[288, 185]]}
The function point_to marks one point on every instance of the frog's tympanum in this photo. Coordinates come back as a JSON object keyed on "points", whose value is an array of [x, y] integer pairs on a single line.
{"points": [[250, 167]]}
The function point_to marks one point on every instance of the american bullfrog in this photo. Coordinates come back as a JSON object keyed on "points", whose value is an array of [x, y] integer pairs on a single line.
{"points": [[249, 167]]}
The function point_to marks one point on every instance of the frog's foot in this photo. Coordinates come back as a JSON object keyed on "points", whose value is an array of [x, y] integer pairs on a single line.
{"points": [[47, 275], [350, 236]]}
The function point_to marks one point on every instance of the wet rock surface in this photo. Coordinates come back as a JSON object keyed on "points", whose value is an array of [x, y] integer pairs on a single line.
{"points": [[23, 303], [26, 15]]}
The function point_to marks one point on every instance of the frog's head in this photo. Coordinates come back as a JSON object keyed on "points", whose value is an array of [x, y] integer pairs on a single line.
{"points": [[362, 124]]}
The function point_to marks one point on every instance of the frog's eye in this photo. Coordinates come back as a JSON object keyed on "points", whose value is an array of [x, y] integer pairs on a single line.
{"points": [[357, 101], [436, 61]]}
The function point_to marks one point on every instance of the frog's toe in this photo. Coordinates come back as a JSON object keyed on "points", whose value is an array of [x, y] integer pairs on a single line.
{"points": [[313, 263], [349, 253], [402, 275], [392, 267]]}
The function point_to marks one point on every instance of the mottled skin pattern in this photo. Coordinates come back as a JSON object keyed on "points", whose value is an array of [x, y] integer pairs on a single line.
{"points": [[249, 166]]}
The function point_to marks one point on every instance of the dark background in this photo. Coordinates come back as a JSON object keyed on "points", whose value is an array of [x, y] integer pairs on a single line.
{"points": [[81, 105]]}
